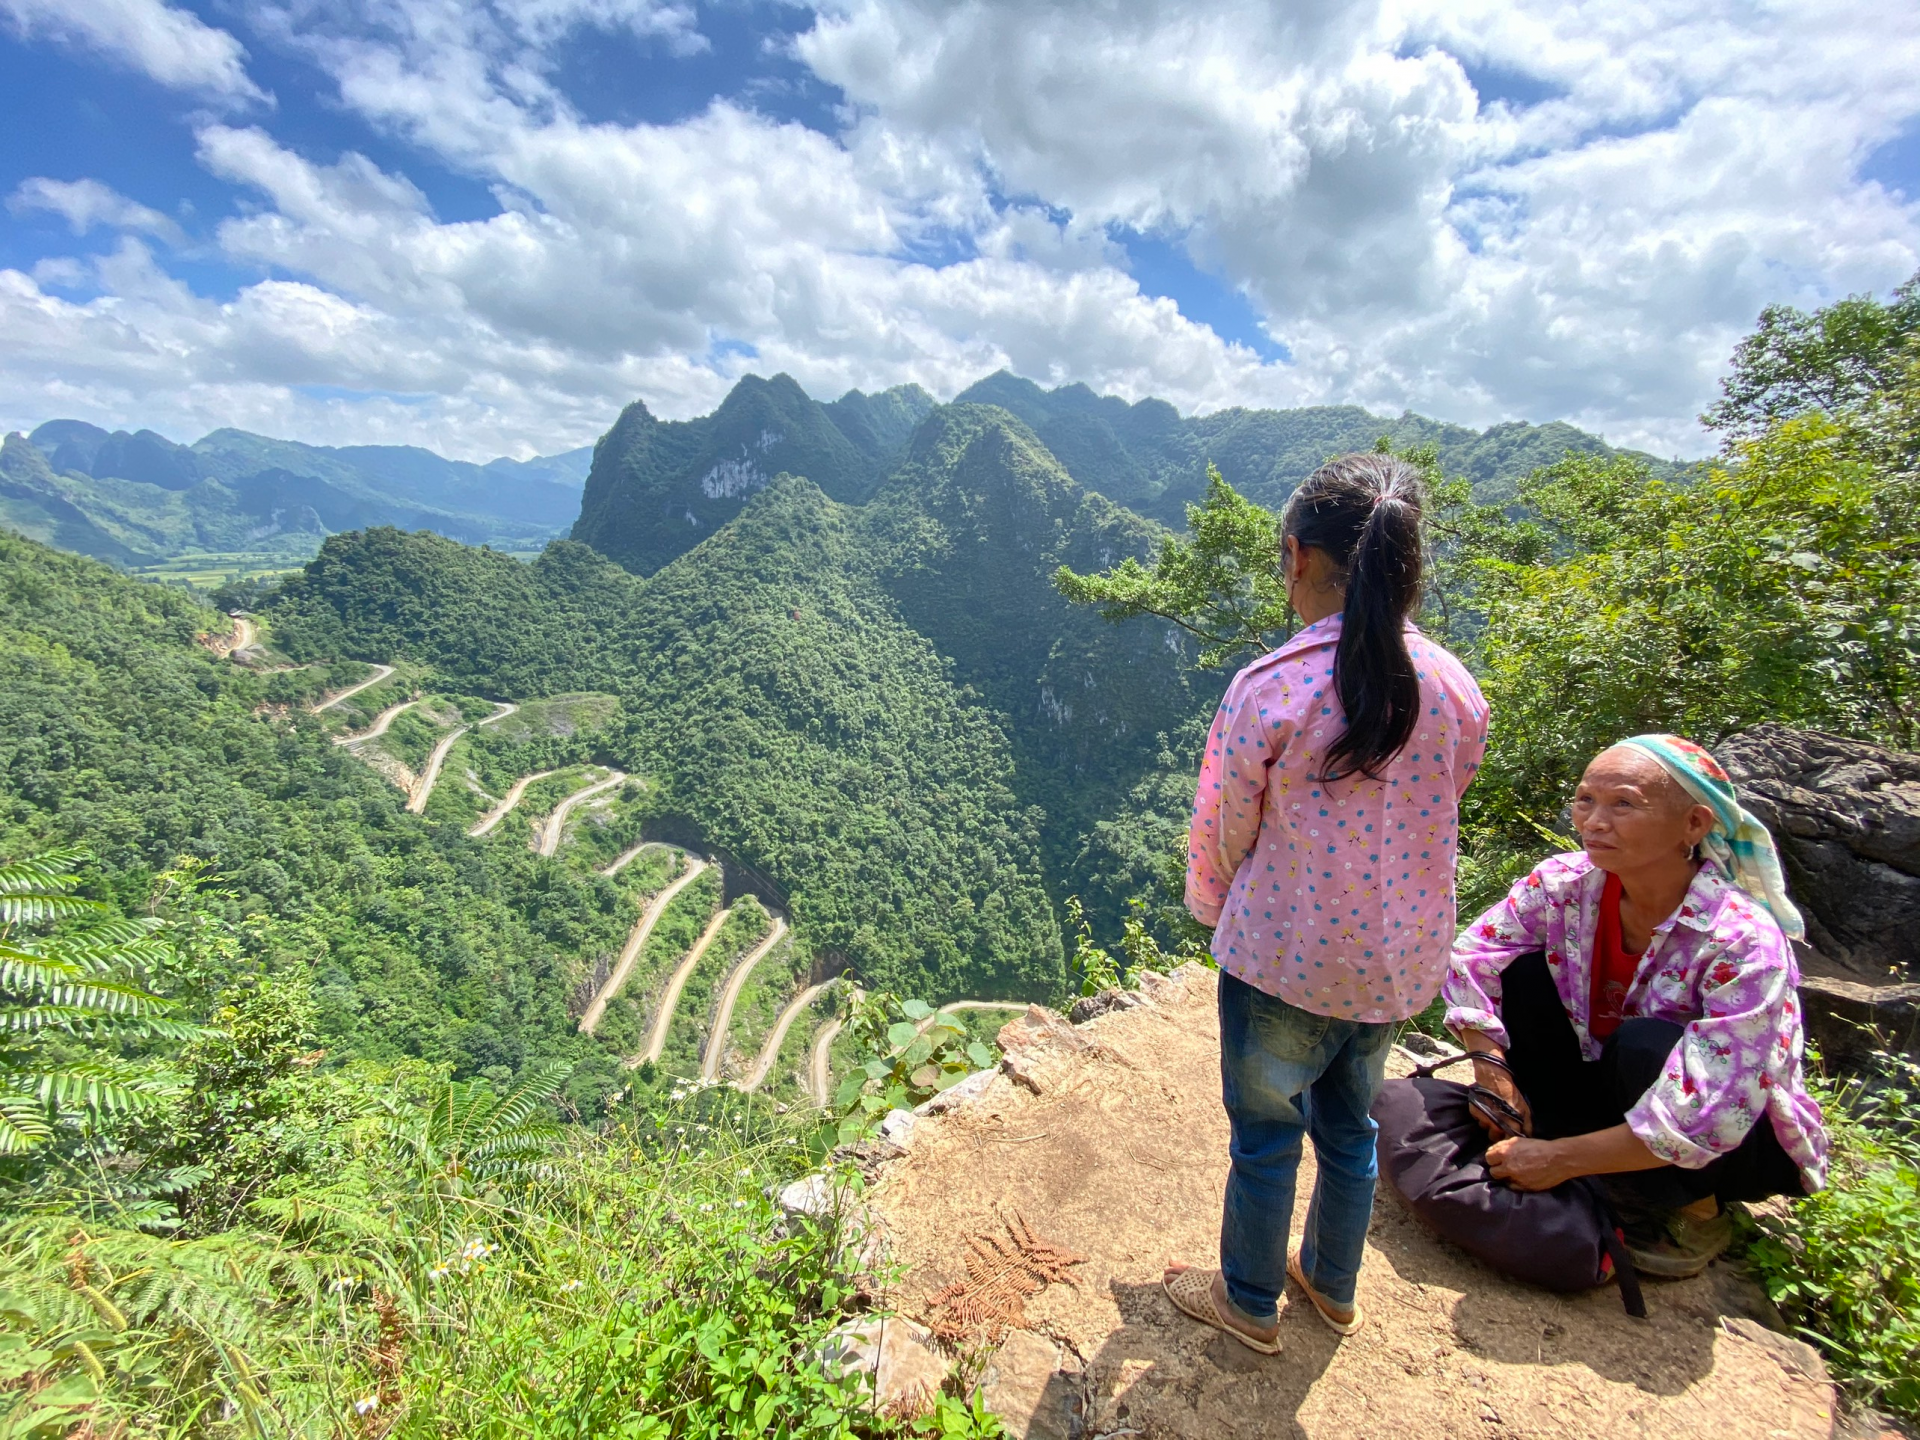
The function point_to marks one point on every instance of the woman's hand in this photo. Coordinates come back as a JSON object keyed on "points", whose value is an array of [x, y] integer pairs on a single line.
{"points": [[1531, 1164], [1493, 1078]]}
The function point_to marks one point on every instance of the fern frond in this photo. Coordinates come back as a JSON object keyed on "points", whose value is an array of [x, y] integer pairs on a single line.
{"points": [[527, 1098], [23, 1124], [49, 870]]}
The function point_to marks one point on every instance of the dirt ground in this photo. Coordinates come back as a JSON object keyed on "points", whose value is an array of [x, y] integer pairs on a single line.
{"points": [[1122, 1156]]}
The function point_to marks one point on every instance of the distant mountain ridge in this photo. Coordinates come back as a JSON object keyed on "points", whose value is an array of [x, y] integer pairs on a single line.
{"points": [[658, 488], [136, 497]]}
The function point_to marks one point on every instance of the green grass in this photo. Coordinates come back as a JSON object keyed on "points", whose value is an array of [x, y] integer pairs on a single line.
{"points": [[209, 569]]}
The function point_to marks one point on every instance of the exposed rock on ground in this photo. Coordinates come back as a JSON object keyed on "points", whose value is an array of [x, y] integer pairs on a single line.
{"points": [[1846, 816], [1121, 1157]]}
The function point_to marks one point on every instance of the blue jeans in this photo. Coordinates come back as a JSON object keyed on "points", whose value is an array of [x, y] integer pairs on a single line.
{"points": [[1285, 1073]]}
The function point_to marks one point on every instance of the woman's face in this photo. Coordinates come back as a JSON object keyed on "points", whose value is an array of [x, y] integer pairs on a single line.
{"points": [[1633, 816]]}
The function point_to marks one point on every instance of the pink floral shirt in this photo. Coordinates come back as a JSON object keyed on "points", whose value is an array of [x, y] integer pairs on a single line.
{"points": [[1718, 965], [1338, 898]]}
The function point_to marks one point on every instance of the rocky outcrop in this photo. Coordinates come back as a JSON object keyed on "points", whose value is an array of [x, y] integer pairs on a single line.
{"points": [[1117, 1153], [1846, 816]]}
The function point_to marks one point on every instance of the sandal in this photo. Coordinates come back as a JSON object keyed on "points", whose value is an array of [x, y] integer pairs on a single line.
{"points": [[1323, 1306], [1191, 1291]]}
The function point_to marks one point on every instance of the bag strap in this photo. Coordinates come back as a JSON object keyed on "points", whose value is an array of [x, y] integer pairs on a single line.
{"points": [[1494, 1106], [1631, 1295]]}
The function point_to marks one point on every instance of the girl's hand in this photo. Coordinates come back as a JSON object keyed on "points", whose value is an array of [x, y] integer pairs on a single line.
{"points": [[1530, 1164]]}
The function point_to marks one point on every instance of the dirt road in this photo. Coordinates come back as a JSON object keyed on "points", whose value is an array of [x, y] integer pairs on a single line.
{"points": [[770, 1050], [379, 726], [636, 942], [627, 857], [512, 798], [555, 825], [723, 1016], [819, 1062], [381, 673], [503, 708], [430, 776], [676, 983]]}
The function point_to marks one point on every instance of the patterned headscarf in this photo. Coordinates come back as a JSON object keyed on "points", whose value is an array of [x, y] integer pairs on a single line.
{"points": [[1738, 842]]}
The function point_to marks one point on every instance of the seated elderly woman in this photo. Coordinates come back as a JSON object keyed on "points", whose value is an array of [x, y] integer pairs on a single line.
{"points": [[1643, 998]]}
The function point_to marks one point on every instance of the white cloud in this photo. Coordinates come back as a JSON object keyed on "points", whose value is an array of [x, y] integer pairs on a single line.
{"points": [[83, 204], [174, 47], [1591, 257]]}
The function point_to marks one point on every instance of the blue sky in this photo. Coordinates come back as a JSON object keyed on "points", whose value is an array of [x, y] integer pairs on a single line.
{"points": [[484, 225]]}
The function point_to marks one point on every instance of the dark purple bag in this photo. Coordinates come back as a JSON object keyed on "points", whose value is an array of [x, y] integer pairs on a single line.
{"points": [[1434, 1153]]}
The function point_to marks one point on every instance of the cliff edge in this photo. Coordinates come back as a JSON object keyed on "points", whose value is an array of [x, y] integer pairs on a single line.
{"points": [[1107, 1140]]}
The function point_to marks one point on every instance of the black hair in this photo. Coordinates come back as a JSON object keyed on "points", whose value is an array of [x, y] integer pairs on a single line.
{"points": [[1364, 511]]}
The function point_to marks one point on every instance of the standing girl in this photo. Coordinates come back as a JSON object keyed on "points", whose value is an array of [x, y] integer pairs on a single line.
{"points": [[1322, 854]]}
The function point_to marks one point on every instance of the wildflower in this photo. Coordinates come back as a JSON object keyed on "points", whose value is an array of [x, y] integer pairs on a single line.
{"points": [[438, 1272], [571, 1286], [739, 1204], [706, 1209], [366, 1406], [344, 1282], [744, 1170]]}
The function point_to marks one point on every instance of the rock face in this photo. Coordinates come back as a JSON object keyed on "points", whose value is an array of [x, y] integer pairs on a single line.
{"points": [[1846, 816]]}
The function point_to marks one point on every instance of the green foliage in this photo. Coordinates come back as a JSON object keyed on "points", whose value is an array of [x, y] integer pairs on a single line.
{"points": [[1099, 970], [70, 967], [1835, 360], [1845, 1263], [1221, 584], [907, 1053], [1779, 586]]}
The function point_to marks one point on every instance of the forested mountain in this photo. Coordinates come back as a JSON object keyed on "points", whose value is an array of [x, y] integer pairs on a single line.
{"points": [[658, 488], [1150, 458], [138, 498]]}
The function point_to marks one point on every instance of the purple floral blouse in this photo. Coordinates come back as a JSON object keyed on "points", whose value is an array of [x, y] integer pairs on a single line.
{"points": [[1718, 965]]}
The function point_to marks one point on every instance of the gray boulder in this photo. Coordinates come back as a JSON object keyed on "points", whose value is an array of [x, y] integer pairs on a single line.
{"points": [[1846, 816]]}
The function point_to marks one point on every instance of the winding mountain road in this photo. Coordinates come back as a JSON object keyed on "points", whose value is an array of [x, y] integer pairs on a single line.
{"points": [[379, 726], [770, 1049], [636, 942], [555, 825], [627, 857], [512, 798], [352, 690], [677, 982], [819, 1075], [429, 777], [503, 708], [723, 1016]]}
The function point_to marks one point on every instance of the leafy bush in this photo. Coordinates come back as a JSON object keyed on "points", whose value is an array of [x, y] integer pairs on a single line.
{"points": [[911, 1054], [1845, 1264]]}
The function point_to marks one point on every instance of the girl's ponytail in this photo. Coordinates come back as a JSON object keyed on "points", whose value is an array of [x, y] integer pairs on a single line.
{"points": [[1364, 511]]}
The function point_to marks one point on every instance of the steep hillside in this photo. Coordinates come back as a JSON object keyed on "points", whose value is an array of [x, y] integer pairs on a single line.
{"points": [[658, 488], [120, 733], [781, 706], [966, 537]]}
